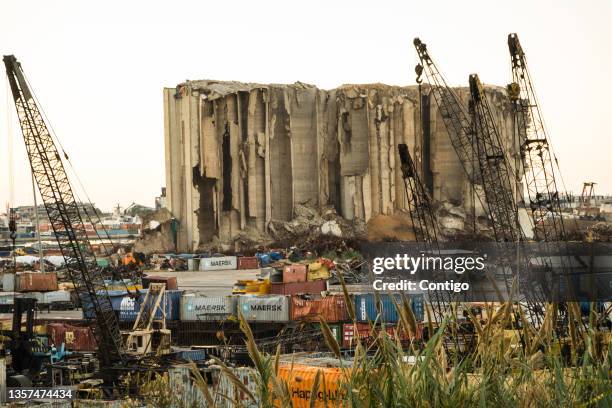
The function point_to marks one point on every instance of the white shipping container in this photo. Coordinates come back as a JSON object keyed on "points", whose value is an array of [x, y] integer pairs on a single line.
{"points": [[56, 296], [39, 296], [6, 298], [199, 307], [271, 308], [8, 282], [218, 263]]}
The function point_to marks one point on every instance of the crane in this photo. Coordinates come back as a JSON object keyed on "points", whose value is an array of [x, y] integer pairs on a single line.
{"points": [[539, 166], [537, 158], [494, 167], [454, 115], [64, 216]]}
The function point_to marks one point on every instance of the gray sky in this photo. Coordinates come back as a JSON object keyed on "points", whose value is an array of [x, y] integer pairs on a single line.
{"points": [[98, 69]]}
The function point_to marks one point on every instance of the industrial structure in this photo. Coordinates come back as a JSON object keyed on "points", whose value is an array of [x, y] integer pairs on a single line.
{"points": [[239, 156]]}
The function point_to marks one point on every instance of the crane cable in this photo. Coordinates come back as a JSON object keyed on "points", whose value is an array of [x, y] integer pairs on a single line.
{"points": [[54, 136]]}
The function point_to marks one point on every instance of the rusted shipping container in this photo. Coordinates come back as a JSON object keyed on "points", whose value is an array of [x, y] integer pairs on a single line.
{"points": [[295, 273], [170, 281], [300, 378], [248, 262], [76, 338], [36, 282], [331, 308], [295, 288], [365, 332]]}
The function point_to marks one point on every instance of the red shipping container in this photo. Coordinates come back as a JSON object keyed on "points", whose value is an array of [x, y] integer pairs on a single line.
{"points": [[170, 281], [332, 308], [295, 273], [364, 332], [36, 282], [248, 262], [75, 338], [296, 288]]}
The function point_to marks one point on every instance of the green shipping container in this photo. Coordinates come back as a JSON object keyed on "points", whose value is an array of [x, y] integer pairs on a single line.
{"points": [[336, 330], [102, 262]]}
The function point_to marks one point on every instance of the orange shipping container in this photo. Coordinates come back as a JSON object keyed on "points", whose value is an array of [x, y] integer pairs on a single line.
{"points": [[332, 308], [36, 282], [75, 338], [367, 335], [248, 262], [299, 380], [295, 273]]}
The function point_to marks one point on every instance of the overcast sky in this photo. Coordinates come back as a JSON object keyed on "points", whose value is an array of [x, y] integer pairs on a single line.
{"points": [[98, 69]]}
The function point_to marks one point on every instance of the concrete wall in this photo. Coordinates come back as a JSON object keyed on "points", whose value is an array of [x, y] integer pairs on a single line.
{"points": [[240, 155]]}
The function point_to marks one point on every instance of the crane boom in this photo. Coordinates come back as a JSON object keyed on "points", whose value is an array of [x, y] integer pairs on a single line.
{"points": [[64, 215], [494, 167], [538, 164], [454, 115]]}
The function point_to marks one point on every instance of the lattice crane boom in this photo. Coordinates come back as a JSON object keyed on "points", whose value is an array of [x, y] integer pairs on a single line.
{"points": [[538, 162], [454, 115], [64, 215], [494, 167]]}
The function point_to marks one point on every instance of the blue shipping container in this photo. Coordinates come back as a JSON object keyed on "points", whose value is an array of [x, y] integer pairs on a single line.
{"points": [[365, 307], [128, 306], [115, 297], [190, 355]]}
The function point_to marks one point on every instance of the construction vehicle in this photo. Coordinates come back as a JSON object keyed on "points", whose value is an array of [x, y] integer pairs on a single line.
{"points": [[48, 170], [149, 333]]}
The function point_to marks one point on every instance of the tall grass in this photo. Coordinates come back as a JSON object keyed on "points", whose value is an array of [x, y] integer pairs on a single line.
{"points": [[498, 371]]}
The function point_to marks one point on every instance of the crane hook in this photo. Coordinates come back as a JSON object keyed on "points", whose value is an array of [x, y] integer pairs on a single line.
{"points": [[418, 69]]}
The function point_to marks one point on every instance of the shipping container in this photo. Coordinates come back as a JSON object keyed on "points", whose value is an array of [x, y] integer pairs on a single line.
{"points": [[300, 378], [36, 281], [185, 390], [199, 307], [128, 305], [226, 392], [295, 273], [336, 329], [331, 308], [295, 288], [248, 262], [365, 307], [56, 296], [8, 282], [170, 303], [75, 338], [367, 334], [218, 263], [39, 296], [2, 380], [170, 281], [6, 298], [270, 308], [189, 355], [193, 264]]}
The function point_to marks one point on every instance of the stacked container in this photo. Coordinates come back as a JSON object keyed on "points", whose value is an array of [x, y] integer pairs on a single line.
{"points": [[76, 338], [35, 282], [271, 308], [218, 263], [295, 273], [366, 310], [331, 308], [196, 307]]}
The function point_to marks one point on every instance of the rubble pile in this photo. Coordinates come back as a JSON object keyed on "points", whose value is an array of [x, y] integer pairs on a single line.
{"points": [[158, 233]]}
